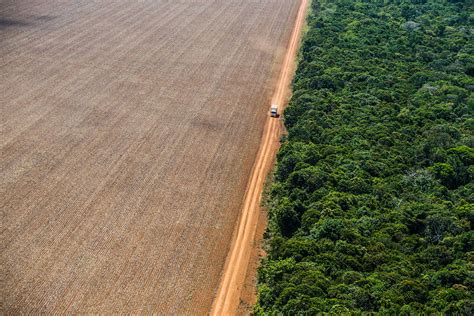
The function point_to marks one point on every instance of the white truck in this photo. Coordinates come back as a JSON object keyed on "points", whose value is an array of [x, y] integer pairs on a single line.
{"points": [[274, 110]]}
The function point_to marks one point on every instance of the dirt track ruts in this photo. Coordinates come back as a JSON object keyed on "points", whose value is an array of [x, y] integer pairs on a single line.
{"points": [[227, 298]]}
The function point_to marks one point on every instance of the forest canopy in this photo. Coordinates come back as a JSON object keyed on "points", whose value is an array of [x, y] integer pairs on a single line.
{"points": [[371, 206]]}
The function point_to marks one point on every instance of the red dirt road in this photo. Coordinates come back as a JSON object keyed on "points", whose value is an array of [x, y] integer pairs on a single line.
{"points": [[227, 299], [128, 132]]}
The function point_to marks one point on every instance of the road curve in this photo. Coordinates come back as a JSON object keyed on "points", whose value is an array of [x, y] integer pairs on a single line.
{"points": [[227, 298]]}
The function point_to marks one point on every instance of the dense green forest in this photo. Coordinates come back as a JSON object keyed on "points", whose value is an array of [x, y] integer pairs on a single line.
{"points": [[371, 207]]}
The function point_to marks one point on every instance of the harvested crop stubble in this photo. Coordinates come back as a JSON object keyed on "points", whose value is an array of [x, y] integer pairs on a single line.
{"points": [[128, 131]]}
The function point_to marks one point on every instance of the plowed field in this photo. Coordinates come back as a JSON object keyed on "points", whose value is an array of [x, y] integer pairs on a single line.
{"points": [[128, 134]]}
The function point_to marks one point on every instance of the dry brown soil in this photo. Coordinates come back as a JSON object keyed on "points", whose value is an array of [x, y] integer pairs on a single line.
{"points": [[128, 132], [235, 271]]}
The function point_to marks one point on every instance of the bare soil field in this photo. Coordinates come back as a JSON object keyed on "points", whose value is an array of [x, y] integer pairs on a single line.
{"points": [[128, 132], [240, 265]]}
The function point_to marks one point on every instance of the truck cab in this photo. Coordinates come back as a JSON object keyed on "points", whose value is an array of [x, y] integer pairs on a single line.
{"points": [[274, 110]]}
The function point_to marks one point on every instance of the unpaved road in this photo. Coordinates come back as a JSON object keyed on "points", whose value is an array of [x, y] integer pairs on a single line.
{"points": [[128, 132], [227, 299]]}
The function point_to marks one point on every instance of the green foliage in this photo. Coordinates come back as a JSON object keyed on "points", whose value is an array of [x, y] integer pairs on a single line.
{"points": [[372, 202]]}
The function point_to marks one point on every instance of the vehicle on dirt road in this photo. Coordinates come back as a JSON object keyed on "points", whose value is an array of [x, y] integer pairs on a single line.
{"points": [[274, 111]]}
